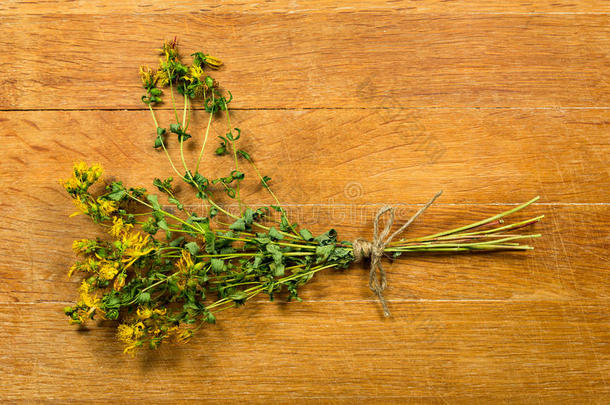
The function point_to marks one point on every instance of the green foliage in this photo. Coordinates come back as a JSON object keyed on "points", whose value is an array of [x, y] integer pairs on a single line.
{"points": [[162, 286], [178, 130]]}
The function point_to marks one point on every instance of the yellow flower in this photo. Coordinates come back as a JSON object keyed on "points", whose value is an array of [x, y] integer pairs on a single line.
{"points": [[80, 168], [106, 207], [195, 72], [85, 295], [72, 185], [170, 50], [184, 336], [119, 282], [135, 244], [108, 271], [138, 330], [119, 227], [129, 334], [161, 77], [73, 268], [125, 333], [185, 264], [83, 246], [82, 207], [148, 77], [90, 265], [213, 62], [87, 175], [79, 246], [177, 334], [97, 169], [144, 313]]}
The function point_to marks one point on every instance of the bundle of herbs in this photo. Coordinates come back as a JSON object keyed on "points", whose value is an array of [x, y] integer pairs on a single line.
{"points": [[163, 273]]}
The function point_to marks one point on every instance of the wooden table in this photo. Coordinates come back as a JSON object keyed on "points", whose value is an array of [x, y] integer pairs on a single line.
{"points": [[352, 106]]}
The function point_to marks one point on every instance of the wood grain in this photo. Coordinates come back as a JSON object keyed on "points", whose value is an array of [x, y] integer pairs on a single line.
{"points": [[26, 7], [330, 352], [340, 193], [324, 60], [347, 106], [356, 157]]}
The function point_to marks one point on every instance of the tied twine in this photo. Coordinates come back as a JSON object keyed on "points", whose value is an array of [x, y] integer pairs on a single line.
{"points": [[374, 249]]}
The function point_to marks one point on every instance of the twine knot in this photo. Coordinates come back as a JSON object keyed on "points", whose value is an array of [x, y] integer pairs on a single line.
{"points": [[374, 249]]}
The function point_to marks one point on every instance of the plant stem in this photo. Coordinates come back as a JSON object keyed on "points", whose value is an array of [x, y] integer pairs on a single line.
{"points": [[205, 138], [163, 143], [483, 222], [234, 154], [283, 211]]}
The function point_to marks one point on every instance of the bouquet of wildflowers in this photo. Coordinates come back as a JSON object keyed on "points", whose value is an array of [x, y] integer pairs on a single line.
{"points": [[162, 271]]}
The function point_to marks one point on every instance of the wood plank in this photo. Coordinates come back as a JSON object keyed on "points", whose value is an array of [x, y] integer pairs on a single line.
{"points": [[356, 157], [374, 102], [307, 6], [571, 260], [429, 352], [326, 59]]}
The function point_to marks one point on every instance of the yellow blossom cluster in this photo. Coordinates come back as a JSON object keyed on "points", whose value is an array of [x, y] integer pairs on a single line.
{"points": [[83, 177], [89, 265], [148, 76], [184, 266], [119, 227], [150, 325], [86, 298], [130, 335]]}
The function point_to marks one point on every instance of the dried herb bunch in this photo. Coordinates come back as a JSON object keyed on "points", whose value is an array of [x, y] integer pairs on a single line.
{"points": [[164, 273]]}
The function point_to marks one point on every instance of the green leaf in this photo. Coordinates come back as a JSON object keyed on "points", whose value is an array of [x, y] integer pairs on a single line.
{"points": [[274, 233], [159, 138], [284, 224], [306, 234], [210, 239], [192, 247], [210, 318], [265, 181], [324, 252], [163, 225], [176, 202], [218, 265], [277, 269], [163, 185], [118, 191], [152, 198], [238, 225], [244, 154], [327, 238], [231, 137], [177, 129], [177, 242], [237, 175], [150, 226], [238, 296], [144, 298], [278, 264], [117, 195], [248, 216]]}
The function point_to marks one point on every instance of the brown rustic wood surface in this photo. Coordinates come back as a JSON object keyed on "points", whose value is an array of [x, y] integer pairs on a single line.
{"points": [[353, 104]]}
